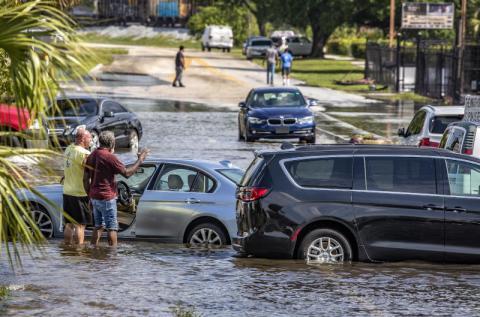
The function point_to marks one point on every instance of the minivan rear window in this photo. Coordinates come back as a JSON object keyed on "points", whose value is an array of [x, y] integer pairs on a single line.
{"points": [[252, 171], [438, 124], [335, 172], [401, 174]]}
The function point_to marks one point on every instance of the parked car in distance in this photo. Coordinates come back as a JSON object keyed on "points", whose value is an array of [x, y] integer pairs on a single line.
{"points": [[18, 120], [462, 137], [428, 125], [217, 36], [299, 46], [257, 47], [276, 113], [174, 201], [96, 115], [338, 203]]}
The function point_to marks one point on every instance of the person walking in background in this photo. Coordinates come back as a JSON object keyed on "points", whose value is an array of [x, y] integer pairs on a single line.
{"points": [[99, 181], [75, 198], [287, 59], [179, 67], [271, 56]]}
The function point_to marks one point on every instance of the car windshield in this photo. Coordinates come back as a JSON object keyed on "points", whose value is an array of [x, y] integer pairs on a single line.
{"points": [[277, 99], [261, 43], [438, 124], [76, 107], [233, 174]]}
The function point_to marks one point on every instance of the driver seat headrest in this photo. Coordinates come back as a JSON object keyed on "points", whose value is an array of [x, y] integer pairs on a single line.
{"points": [[175, 182]]}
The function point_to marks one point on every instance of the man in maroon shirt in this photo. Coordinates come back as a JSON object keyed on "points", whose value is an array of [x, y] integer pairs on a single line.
{"points": [[99, 182]]}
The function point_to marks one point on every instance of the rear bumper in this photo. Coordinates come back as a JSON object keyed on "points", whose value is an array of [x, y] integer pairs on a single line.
{"points": [[265, 245]]}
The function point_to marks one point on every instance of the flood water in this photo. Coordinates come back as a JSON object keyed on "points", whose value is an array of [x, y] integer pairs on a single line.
{"points": [[149, 279]]}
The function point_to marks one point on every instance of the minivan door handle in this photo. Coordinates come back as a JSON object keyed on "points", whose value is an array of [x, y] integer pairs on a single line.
{"points": [[457, 209], [432, 207]]}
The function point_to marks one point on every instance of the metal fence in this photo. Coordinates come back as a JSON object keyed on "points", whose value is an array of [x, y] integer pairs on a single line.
{"points": [[430, 68]]}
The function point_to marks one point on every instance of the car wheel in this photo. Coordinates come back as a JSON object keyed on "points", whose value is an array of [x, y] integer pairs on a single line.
{"points": [[247, 137], [207, 235], [309, 140], [133, 141], [325, 246], [240, 135], [228, 50], [95, 143], [209, 49], [43, 220], [203, 48]]}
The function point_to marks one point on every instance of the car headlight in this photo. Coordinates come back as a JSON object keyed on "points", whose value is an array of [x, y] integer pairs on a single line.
{"points": [[73, 130], [305, 120], [35, 125], [254, 120]]}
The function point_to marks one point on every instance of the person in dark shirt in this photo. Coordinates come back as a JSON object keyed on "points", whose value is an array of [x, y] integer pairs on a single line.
{"points": [[179, 67], [99, 182]]}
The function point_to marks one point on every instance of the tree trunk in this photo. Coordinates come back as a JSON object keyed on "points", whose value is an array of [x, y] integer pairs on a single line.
{"points": [[320, 39], [261, 25]]}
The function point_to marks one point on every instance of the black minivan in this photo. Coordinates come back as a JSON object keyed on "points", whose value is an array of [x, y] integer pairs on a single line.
{"points": [[336, 203]]}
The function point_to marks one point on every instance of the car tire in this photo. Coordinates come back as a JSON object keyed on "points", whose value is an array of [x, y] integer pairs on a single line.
{"points": [[203, 48], [207, 235], [309, 140], [209, 49], [247, 137], [133, 140], [229, 49], [240, 135], [43, 220], [325, 246]]}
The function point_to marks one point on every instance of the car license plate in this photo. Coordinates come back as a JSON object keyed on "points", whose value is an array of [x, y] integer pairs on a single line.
{"points": [[282, 130]]}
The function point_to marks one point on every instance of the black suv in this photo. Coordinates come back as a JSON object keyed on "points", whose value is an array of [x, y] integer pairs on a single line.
{"points": [[361, 202]]}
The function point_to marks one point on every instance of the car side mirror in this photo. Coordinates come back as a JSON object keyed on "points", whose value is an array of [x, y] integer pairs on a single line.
{"points": [[108, 114], [401, 132], [242, 105]]}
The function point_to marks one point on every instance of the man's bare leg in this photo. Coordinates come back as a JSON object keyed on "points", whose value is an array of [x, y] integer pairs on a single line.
{"points": [[79, 234], [112, 238], [97, 233], [68, 233]]}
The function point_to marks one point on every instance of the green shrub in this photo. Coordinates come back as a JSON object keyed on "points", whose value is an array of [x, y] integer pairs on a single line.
{"points": [[349, 47]]}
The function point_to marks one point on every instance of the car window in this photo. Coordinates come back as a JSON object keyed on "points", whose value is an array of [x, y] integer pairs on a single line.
{"points": [[304, 40], [416, 125], [261, 43], [455, 139], [463, 178], [252, 171], [322, 172], [438, 124], [138, 181], [75, 107], [233, 174], [183, 179], [401, 174], [109, 106], [277, 99]]}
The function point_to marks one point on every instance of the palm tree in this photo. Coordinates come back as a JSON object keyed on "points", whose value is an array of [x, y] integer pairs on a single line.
{"points": [[38, 51]]}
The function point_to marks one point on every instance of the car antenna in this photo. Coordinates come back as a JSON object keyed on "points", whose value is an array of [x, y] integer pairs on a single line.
{"points": [[287, 146]]}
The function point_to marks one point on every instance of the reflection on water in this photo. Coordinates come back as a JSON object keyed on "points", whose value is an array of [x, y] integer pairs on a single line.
{"points": [[148, 279]]}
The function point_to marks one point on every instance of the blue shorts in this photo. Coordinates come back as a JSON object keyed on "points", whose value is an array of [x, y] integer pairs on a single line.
{"points": [[105, 214]]}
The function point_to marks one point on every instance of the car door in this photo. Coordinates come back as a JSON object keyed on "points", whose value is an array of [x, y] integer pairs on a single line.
{"points": [[399, 214], [242, 114], [462, 211], [109, 123], [123, 118], [167, 206]]}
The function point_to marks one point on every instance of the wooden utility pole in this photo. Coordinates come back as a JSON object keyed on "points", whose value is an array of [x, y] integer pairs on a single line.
{"points": [[392, 23], [461, 46]]}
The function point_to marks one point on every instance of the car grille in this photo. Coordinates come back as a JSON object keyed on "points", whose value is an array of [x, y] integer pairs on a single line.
{"points": [[280, 121]]}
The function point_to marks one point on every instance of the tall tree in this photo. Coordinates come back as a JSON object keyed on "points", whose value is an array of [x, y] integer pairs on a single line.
{"points": [[263, 10], [323, 16]]}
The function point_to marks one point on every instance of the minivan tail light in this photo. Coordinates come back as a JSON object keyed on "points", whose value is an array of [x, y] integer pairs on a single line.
{"points": [[248, 194], [468, 151]]}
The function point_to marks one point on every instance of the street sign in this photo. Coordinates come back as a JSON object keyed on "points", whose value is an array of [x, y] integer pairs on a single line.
{"points": [[418, 15], [472, 108]]}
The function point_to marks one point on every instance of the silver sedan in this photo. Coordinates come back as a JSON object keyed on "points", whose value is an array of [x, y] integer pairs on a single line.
{"points": [[173, 201]]}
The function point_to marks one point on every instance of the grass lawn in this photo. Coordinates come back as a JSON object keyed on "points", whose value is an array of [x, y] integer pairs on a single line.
{"points": [[160, 41]]}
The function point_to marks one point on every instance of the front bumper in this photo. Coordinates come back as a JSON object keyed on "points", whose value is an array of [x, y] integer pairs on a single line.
{"points": [[282, 132]]}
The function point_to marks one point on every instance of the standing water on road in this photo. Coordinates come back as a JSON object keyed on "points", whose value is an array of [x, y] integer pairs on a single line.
{"points": [[149, 279]]}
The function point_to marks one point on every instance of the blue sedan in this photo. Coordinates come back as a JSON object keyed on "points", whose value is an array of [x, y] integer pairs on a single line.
{"points": [[276, 113]]}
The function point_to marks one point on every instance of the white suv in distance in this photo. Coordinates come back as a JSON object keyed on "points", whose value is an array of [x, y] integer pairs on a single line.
{"points": [[462, 137], [428, 125], [217, 36]]}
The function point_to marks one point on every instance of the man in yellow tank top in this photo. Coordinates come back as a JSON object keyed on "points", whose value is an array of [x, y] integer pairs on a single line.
{"points": [[75, 199]]}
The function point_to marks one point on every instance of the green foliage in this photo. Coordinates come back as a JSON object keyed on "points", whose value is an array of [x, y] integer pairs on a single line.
{"points": [[4, 292], [236, 17], [347, 46], [179, 311]]}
